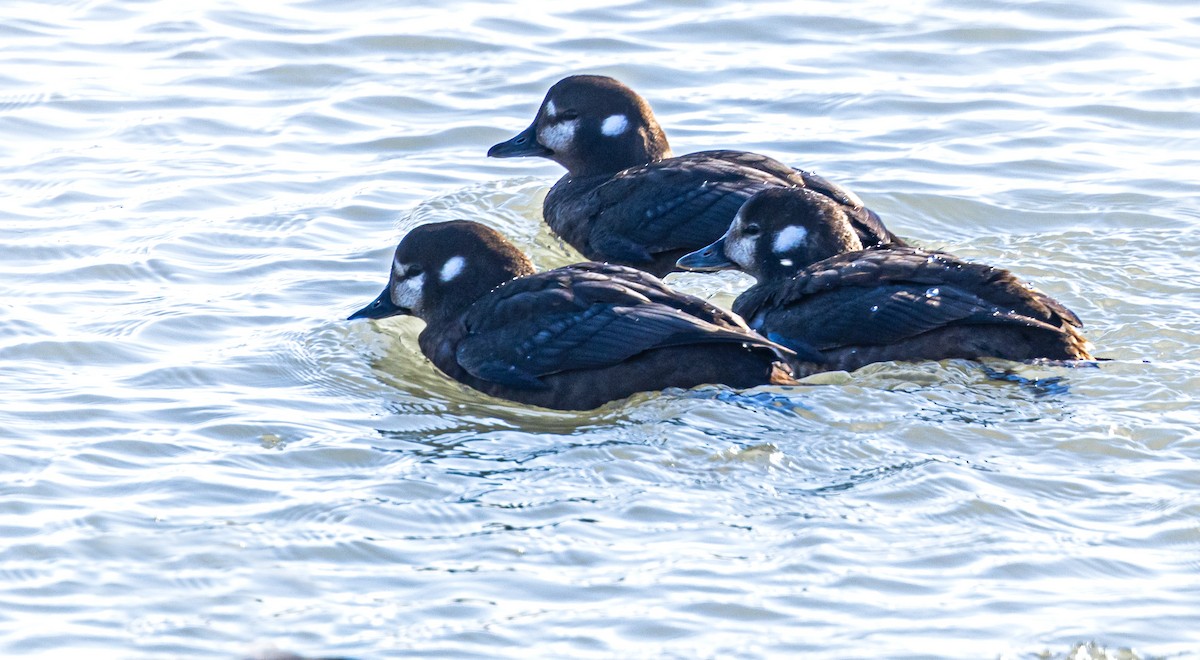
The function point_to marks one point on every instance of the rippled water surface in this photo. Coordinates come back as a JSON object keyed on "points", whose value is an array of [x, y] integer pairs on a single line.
{"points": [[200, 458]]}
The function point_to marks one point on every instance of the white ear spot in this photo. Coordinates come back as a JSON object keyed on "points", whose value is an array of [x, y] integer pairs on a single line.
{"points": [[551, 111], [614, 125], [789, 238], [452, 268]]}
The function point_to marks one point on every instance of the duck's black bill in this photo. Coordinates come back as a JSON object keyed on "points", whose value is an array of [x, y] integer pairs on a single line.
{"points": [[707, 258], [380, 308], [522, 144]]}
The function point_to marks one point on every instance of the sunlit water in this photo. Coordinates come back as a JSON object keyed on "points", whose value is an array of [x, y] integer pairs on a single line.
{"points": [[200, 458]]}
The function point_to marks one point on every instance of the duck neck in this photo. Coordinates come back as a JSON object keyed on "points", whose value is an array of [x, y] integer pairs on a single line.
{"points": [[648, 144], [484, 280]]}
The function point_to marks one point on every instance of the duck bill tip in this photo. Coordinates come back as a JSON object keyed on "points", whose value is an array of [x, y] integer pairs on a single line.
{"points": [[709, 258], [520, 145]]}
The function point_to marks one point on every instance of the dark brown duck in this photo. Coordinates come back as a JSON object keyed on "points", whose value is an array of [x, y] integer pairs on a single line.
{"points": [[626, 200], [834, 303], [572, 338]]}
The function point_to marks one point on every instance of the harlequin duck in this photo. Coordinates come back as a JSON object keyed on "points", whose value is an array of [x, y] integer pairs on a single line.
{"points": [[572, 338], [625, 199], [821, 294]]}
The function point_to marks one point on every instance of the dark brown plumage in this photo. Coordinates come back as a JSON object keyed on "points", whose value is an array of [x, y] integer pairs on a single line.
{"points": [[626, 200], [840, 306], [570, 338]]}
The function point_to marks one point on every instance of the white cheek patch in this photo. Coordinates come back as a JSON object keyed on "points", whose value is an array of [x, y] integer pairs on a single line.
{"points": [[614, 125], [452, 268], [741, 251], [408, 294], [789, 238], [559, 136], [551, 111]]}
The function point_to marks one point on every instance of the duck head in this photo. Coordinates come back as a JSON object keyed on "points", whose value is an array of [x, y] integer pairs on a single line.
{"points": [[776, 233], [590, 125], [440, 269]]}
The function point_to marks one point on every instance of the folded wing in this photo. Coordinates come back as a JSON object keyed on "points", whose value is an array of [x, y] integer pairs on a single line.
{"points": [[584, 317]]}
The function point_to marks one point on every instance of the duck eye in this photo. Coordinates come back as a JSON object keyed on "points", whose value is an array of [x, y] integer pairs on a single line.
{"points": [[569, 115], [751, 230], [412, 271]]}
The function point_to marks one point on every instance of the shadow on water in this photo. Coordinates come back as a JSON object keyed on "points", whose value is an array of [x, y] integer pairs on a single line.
{"points": [[865, 476], [1040, 386], [498, 431], [453, 421], [775, 400]]}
